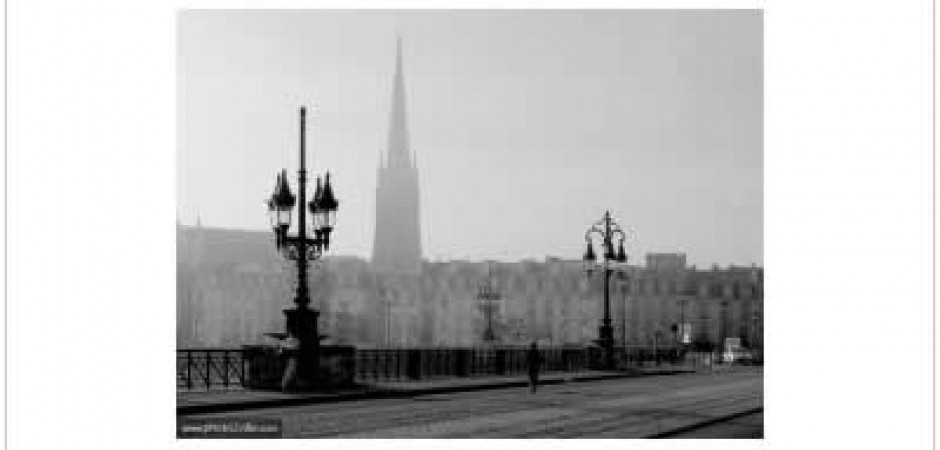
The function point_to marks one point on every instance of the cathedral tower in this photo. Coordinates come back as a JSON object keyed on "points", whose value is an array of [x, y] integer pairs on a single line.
{"points": [[397, 246]]}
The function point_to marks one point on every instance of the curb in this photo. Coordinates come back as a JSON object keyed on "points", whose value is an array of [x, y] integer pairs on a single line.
{"points": [[392, 393], [704, 424]]}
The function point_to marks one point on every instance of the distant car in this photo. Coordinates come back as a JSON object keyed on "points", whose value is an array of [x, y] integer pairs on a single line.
{"points": [[740, 355]]}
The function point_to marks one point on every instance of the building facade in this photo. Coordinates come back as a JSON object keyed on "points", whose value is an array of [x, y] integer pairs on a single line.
{"points": [[232, 288]]}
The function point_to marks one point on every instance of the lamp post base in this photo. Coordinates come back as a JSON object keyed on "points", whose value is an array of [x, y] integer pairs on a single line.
{"points": [[303, 363], [606, 341]]}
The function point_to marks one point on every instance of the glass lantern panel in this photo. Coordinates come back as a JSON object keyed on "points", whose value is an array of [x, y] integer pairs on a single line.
{"points": [[283, 216], [272, 217], [330, 217], [315, 221], [321, 219]]}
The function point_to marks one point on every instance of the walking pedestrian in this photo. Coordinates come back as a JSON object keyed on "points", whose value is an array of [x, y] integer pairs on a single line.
{"points": [[534, 361]]}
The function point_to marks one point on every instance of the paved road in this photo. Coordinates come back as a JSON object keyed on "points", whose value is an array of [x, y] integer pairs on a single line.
{"points": [[628, 408], [750, 426]]}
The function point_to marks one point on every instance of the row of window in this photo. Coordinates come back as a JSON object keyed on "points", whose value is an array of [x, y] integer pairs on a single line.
{"points": [[715, 290]]}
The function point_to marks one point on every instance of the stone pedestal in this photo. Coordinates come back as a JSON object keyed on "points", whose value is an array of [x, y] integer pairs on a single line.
{"points": [[335, 368], [302, 324], [606, 342], [314, 367]]}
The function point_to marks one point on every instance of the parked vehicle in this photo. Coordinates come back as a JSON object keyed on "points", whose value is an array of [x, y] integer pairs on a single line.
{"points": [[739, 355]]}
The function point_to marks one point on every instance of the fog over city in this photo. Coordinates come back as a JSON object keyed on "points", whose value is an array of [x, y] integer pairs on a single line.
{"points": [[525, 126], [472, 154]]}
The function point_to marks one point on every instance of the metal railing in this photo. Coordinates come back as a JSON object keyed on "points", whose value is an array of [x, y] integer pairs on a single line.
{"points": [[415, 364], [247, 367], [646, 357], [210, 367]]}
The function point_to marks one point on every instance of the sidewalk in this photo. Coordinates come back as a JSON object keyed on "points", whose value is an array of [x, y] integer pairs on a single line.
{"points": [[202, 402]]}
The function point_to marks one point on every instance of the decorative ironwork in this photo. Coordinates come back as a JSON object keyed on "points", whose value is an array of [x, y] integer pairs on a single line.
{"points": [[488, 297], [435, 363], [608, 231], [210, 367], [301, 248], [216, 368]]}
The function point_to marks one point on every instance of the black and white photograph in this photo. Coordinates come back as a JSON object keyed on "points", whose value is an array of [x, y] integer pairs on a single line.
{"points": [[470, 224]]}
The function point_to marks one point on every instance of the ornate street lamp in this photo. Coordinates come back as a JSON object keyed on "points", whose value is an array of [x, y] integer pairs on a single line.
{"points": [[489, 298], [624, 288], [301, 248], [607, 231]]}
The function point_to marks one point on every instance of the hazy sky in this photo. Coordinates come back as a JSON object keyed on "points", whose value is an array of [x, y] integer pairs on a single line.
{"points": [[526, 125]]}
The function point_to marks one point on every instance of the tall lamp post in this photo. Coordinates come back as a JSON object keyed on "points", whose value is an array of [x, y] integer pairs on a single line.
{"points": [[722, 329], [624, 287], [489, 298], [302, 249], [657, 332], [607, 231]]}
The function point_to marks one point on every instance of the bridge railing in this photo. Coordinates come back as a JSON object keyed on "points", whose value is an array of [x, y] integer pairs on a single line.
{"points": [[416, 364], [216, 368], [210, 367]]}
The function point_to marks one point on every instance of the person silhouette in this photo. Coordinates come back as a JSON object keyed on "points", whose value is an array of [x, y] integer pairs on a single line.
{"points": [[534, 360]]}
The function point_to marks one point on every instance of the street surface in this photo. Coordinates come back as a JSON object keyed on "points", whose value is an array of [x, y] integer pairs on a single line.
{"points": [[626, 408], [750, 426]]}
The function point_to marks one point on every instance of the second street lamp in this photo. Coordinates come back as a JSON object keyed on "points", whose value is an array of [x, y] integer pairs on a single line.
{"points": [[301, 248], [489, 298], [608, 231], [624, 287]]}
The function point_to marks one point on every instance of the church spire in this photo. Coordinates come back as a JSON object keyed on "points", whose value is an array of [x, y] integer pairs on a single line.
{"points": [[399, 154], [397, 205]]}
